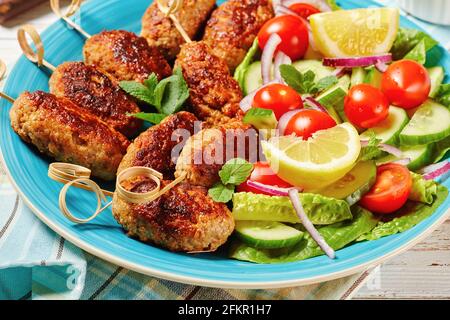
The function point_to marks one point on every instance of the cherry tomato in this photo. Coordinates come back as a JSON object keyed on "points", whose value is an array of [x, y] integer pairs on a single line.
{"points": [[406, 84], [293, 33], [391, 190], [366, 106], [262, 173], [279, 98], [306, 122], [304, 10]]}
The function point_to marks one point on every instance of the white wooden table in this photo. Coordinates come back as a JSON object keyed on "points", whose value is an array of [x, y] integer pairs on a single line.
{"points": [[421, 273]]}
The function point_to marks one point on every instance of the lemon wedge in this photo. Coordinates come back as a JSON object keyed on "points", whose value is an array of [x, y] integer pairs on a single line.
{"points": [[355, 33], [317, 162]]}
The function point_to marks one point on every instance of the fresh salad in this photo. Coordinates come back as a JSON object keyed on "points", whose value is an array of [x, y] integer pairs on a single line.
{"points": [[357, 125]]}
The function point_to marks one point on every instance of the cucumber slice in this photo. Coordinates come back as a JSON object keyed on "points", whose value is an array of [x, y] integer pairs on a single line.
{"points": [[333, 99], [315, 66], [389, 129], [430, 123], [437, 75], [253, 78], [261, 118], [267, 235], [420, 156], [358, 76], [354, 185], [373, 77]]}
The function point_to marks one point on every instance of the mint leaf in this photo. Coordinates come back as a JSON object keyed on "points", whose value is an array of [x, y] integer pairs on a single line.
{"points": [[151, 82], [235, 171], [167, 96], [292, 77], [221, 193], [138, 90], [154, 118], [372, 150], [172, 92]]}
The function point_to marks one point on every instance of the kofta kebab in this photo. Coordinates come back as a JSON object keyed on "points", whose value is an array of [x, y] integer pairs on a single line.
{"points": [[158, 198]]}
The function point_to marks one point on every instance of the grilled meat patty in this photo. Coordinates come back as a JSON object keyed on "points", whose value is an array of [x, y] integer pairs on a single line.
{"points": [[88, 87], [233, 27], [161, 32], [214, 94], [154, 148], [125, 56], [184, 219], [64, 131], [207, 151]]}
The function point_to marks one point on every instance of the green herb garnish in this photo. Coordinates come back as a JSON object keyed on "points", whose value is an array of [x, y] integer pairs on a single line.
{"points": [[305, 83], [233, 173]]}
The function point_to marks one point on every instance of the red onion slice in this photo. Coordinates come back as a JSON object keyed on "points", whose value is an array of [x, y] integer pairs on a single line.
{"points": [[284, 120], [381, 66], [281, 10], [322, 5], [246, 103], [403, 162], [314, 105], [270, 190], [339, 72], [293, 195], [267, 57], [280, 59], [386, 148], [433, 167], [442, 171], [357, 62]]}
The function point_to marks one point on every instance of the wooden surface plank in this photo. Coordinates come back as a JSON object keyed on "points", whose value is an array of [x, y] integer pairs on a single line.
{"points": [[421, 273]]}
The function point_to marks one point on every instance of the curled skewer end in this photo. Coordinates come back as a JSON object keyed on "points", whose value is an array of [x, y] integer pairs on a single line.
{"points": [[169, 9], [77, 176], [2, 74], [73, 8], [35, 56]]}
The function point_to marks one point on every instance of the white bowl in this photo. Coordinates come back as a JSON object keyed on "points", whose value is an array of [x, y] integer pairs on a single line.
{"points": [[435, 11]]}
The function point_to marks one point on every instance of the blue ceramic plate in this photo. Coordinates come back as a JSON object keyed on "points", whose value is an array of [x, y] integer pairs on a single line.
{"points": [[105, 238]]}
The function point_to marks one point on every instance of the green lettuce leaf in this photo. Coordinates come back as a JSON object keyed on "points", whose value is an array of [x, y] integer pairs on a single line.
{"points": [[443, 95], [410, 215], [422, 190], [440, 150], [412, 44], [320, 210], [337, 236], [241, 70]]}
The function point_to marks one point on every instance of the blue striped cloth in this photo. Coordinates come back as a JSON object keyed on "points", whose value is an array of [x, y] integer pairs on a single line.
{"points": [[36, 263]]}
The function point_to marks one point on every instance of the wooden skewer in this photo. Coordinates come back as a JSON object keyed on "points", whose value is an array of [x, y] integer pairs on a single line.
{"points": [[2, 74], [77, 176], [170, 8], [73, 8], [32, 55]]}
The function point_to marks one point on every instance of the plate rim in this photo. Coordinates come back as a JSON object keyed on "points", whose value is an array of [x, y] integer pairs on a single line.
{"points": [[230, 284]]}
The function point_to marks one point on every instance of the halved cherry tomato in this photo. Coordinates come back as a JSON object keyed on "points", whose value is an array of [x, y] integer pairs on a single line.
{"points": [[293, 33], [406, 84], [262, 173], [279, 98], [391, 190], [304, 10], [306, 122], [366, 106]]}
